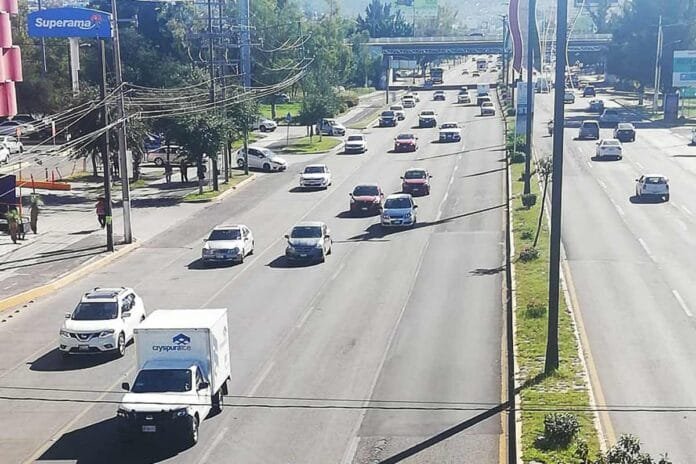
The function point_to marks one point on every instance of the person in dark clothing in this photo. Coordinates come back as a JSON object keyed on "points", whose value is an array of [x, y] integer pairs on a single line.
{"points": [[183, 167], [168, 171], [101, 211]]}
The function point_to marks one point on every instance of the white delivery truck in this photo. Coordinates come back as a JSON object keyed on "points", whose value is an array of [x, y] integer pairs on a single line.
{"points": [[183, 369]]}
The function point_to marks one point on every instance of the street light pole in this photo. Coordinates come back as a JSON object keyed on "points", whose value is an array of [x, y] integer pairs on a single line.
{"points": [[505, 62], [125, 186], [106, 164], [658, 59], [551, 362], [531, 18]]}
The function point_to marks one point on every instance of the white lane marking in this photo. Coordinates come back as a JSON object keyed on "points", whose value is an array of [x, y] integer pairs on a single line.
{"points": [[618, 208], [218, 438], [589, 165], [640, 166], [687, 210], [304, 318], [645, 247], [602, 184], [261, 378], [350, 452], [682, 303], [441, 207]]}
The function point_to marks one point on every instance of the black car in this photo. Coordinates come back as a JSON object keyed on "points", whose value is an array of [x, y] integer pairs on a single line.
{"points": [[625, 132], [387, 119], [439, 95], [589, 91]]}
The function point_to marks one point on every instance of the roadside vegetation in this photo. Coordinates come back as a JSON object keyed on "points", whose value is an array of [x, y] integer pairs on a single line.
{"points": [[308, 146], [209, 195]]}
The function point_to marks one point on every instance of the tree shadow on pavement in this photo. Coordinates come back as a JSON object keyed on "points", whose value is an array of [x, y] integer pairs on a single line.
{"points": [[153, 202], [100, 442], [52, 257], [483, 173], [459, 152], [55, 361], [487, 271]]}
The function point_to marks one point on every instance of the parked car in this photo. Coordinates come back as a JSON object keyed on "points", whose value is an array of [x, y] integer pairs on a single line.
{"points": [[452, 134], [589, 91], [329, 126], [308, 242], [416, 181], [652, 186], [228, 243], [597, 106], [463, 97], [609, 148], [315, 176], [568, 97], [625, 132], [355, 143], [4, 154], [173, 153], [398, 111], [17, 128], [387, 119], [487, 109], [102, 322], [610, 116], [439, 95], [262, 158], [405, 142], [366, 199], [12, 143], [589, 129], [399, 210], [427, 118], [264, 125]]}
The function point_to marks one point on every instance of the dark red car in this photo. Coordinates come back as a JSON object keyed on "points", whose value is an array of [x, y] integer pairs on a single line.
{"points": [[416, 181], [405, 142], [366, 199]]}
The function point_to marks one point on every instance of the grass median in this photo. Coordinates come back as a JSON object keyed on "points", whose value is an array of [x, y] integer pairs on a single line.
{"points": [[566, 390], [209, 194], [316, 144]]}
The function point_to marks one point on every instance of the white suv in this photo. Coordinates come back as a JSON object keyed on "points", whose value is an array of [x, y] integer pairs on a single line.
{"points": [[315, 176], [652, 186], [103, 321]]}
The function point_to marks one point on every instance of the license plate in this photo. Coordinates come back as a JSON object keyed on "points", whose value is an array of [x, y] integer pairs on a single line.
{"points": [[220, 256], [303, 255], [149, 428], [364, 208], [83, 347]]}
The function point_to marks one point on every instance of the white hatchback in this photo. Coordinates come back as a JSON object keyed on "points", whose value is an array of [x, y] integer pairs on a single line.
{"points": [[103, 321], [262, 158], [652, 186], [12, 143], [609, 148]]}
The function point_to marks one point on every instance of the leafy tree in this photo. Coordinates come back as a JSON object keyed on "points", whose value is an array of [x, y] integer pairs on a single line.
{"points": [[320, 101], [600, 14], [381, 21]]}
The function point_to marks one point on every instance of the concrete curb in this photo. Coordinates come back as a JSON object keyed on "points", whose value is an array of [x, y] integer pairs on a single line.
{"points": [[60, 282], [224, 194]]}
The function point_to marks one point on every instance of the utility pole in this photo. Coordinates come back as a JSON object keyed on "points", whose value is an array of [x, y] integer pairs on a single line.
{"points": [[551, 363], [531, 26], [211, 70], [505, 62], [245, 55], [125, 186], [223, 108], [105, 151], [658, 60], [44, 69]]}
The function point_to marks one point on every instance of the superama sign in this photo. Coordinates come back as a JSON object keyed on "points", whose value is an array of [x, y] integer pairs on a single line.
{"points": [[69, 22]]}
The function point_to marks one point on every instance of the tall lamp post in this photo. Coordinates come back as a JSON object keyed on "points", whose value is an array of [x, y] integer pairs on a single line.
{"points": [[531, 27]]}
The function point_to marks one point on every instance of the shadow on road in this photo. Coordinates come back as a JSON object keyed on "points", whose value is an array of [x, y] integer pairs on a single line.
{"points": [[100, 443], [487, 271], [52, 257], [306, 189], [636, 200], [55, 361], [483, 173], [281, 262]]}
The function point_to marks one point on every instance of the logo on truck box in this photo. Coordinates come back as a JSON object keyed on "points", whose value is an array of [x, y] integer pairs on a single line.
{"points": [[180, 342]]}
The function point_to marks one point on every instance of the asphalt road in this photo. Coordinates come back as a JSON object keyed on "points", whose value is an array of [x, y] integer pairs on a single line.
{"points": [[411, 317], [633, 264]]}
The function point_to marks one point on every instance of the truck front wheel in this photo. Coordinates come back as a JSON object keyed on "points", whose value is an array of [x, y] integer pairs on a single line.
{"points": [[218, 401], [193, 432]]}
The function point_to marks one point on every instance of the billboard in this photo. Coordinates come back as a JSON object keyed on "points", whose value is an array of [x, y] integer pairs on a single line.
{"points": [[684, 68], [69, 22], [417, 8]]}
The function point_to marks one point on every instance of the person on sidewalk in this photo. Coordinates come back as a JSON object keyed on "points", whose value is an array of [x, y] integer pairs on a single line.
{"points": [[183, 167], [168, 171], [101, 211]]}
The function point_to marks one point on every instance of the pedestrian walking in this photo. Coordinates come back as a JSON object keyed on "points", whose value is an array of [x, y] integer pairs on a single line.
{"points": [[101, 211], [183, 167], [168, 171]]}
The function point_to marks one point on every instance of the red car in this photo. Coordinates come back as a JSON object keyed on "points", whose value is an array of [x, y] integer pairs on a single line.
{"points": [[366, 199], [416, 181], [405, 142]]}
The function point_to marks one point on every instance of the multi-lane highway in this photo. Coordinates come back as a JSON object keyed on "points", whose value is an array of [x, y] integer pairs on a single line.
{"points": [[632, 264], [405, 318]]}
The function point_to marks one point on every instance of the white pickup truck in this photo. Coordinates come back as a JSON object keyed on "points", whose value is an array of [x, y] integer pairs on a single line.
{"points": [[183, 370]]}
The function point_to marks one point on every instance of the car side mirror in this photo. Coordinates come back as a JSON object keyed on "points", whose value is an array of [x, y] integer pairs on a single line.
{"points": [[401, 177], [415, 206], [328, 235], [637, 180], [286, 236], [350, 194], [203, 385], [205, 239], [125, 386], [68, 315]]}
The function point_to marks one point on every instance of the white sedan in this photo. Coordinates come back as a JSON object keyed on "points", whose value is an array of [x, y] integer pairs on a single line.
{"points": [[652, 186], [228, 243], [355, 143], [11, 142], [315, 176], [609, 148], [262, 158], [4, 154]]}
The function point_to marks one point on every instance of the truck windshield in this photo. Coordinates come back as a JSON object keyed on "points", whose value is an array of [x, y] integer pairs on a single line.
{"points": [[162, 381], [95, 311]]}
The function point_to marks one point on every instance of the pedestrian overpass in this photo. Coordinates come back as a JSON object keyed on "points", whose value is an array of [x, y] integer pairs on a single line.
{"points": [[414, 47]]}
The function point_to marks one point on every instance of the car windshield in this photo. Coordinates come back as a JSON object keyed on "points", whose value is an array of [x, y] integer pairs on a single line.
{"points": [[414, 175], [162, 381], [396, 108], [95, 311], [387, 113], [655, 180], [611, 143], [449, 125], [487, 104], [366, 190], [306, 232], [428, 113], [397, 203], [314, 170], [225, 234], [355, 138], [404, 137]]}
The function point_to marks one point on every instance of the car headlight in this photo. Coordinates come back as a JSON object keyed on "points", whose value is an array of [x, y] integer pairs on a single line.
{"points": [[385, 215], [376, 200], [290, 249], [64, 333], [234, 250], [207, 251], [352, 200], [183, 412], [106, 333], [407, 215], [123, 413]]}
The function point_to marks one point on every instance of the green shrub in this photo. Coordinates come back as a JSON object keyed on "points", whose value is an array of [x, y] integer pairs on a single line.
{"points": [[515, 143], [535, 310], [350, 99], [560, 428], [529, 254], [517, 157], [529, 200], [527, 234]]}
